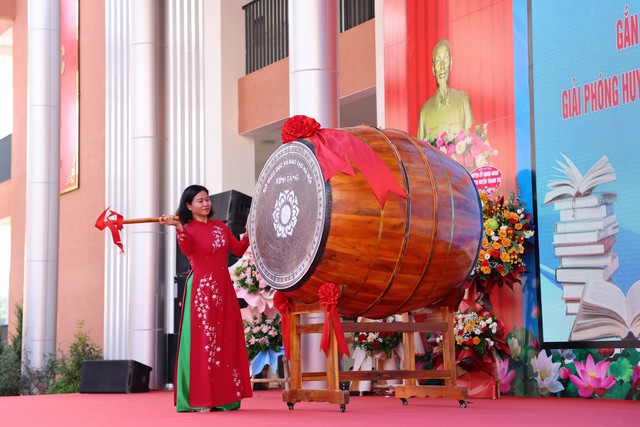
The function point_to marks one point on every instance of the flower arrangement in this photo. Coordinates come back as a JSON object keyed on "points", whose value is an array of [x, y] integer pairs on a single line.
{"points": [[473, 331], [262, 333], [251, 287], [245, 276], [478, 338], [506, 227], [470, 149], [381, 341]]}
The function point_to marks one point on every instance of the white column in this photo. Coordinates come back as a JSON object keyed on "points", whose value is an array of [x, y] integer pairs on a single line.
{"points": [[116, 286], [42, 182], [186, 121], [313, 91], [313, 60], [144, 246]]}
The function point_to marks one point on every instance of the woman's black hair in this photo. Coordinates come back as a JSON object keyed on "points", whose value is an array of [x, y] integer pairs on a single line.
{"points": [[187, 197]]}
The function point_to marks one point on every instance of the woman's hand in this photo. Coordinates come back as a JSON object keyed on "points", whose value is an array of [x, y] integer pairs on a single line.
{"points": [[170, 220]]}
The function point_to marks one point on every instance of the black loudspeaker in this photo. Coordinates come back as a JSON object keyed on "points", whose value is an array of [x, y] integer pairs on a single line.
{"points": [[180, 281], [114, 376], [172, 352], [232, 207]]}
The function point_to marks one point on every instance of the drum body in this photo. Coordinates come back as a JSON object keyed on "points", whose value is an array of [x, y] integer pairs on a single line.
{"points": [[416, 252]]}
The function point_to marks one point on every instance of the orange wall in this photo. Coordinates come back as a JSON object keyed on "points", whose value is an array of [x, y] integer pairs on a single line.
{"points": [[81, 249], [8, 9], [263, 96]]}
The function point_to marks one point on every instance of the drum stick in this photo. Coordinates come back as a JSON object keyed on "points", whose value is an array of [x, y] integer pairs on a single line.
{"points": [[145, 220]]}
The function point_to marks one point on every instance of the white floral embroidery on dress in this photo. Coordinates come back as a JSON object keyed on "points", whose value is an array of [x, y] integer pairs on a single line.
{"points": [[181, 235], [218, 238], [237, 382], [207, 296]]}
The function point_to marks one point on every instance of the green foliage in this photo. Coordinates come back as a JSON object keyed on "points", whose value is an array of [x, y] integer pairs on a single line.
{"points": [[16, 340], [37, 380], [621, 369], [11, 381], [68, 368], [60, 375]]}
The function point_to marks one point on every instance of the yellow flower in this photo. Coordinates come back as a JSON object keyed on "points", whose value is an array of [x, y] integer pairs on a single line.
{"points": [[506, 242], [485, 269], [496, 245], [502, 233], [476, 340], [504, 256], [485, 242], [518, 226]]}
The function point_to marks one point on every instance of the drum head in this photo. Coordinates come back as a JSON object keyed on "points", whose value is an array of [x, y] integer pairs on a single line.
{"points": [[290, 216]]}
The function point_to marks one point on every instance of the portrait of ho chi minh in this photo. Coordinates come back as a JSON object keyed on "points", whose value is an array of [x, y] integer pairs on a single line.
{"points": [[448, 110]]}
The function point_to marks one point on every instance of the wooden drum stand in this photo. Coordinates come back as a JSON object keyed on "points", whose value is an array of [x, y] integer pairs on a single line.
{"points": [[438, 321]]}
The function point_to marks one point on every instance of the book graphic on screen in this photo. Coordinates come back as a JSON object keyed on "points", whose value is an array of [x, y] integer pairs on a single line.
{"points": [[597, 248], [573, 184], [584, 274], [586, 225], [605, 312], [586, 231]]}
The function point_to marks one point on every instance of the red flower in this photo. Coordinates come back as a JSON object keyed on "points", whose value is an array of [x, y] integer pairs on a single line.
{"points": [[606, 352], [362, 337], [298, 127], [376, 345]]}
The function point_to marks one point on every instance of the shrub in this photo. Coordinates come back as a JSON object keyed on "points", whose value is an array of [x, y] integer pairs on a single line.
{"points": [[68, 368], [11, 381], [60, 375]]}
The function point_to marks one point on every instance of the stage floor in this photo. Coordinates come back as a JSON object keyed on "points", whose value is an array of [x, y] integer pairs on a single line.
{"points": [[266, 408]]}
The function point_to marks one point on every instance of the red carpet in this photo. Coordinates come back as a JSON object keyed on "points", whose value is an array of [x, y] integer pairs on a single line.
{"points": [[155, 409]]}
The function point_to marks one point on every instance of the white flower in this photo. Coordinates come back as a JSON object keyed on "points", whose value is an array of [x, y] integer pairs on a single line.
{"points": [[547, 371]]}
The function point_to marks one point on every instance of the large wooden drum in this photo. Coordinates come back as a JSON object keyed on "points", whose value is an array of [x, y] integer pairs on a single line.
{"points": [[413, 253]]}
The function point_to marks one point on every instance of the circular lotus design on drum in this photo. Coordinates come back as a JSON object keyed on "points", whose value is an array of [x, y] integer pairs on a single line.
{"points": [[285, 213]]}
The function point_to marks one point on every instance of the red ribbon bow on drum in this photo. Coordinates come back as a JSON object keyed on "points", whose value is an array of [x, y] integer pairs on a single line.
{"points": [[336, 150], [113, 221], [282, 303], [328, 295]]}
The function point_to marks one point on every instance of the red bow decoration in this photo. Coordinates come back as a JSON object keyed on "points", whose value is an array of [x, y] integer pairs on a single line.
{"points": [[328, 295], [112, 220], [282, 303], [337, 149]]}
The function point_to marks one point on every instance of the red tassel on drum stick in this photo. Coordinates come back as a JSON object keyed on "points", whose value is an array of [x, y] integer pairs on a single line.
{"points": [[114, 222]]}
